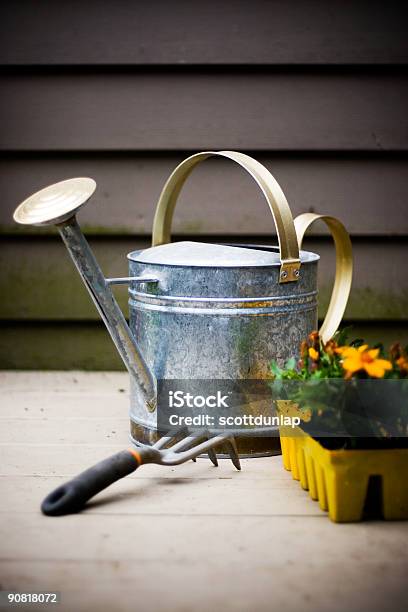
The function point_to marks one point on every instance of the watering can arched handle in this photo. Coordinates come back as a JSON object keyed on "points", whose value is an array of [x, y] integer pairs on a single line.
{"points": [[288, 244], [344, 268]]}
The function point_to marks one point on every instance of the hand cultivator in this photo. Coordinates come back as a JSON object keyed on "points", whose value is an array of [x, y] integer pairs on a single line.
{"points": [[72, 496]]}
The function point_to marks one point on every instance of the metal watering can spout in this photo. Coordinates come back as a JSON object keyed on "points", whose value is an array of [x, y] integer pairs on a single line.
{"points": [[57, 205]]}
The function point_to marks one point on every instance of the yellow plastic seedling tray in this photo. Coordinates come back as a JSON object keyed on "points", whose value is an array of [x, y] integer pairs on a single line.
{"points": [[339, 479]]}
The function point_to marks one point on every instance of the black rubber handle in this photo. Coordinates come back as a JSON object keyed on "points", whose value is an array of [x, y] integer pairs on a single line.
{"points": [[71, 497]]}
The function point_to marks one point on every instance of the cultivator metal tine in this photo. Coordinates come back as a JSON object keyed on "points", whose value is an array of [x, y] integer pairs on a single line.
{"points": [[229, 442], [213, 456], [187, 441], [175, 451], [170, 438], [233, 451], [193, 441], [163, 441], [204, 447]]}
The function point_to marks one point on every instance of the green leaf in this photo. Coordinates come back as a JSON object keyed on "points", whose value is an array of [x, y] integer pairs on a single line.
{"points": [[291, 364]]}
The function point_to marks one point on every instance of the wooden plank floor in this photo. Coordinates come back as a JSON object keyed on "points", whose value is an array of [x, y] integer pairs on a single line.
{"points": [[190, 538]]}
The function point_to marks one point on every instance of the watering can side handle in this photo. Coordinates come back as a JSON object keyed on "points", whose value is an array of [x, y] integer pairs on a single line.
{"points": [[289, 251], [344, 268]]}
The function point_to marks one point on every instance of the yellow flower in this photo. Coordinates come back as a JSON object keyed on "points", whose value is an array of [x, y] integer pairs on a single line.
{"points": [[313, 354], [363, 358], [344, 350]]}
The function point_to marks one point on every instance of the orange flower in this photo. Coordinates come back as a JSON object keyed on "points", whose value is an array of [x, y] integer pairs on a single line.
{"points": [[402, 363], [396, 351], [303, 349], [313, 354], [330, 347], [363, 358], [314, 339]]}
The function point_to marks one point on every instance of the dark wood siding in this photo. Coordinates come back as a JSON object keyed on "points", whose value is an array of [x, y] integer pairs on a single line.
{"points": [[262, 111], [370, 193], [267, 32], [123, 91]]}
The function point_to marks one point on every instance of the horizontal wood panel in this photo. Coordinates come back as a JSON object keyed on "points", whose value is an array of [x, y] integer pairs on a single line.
{"points": [[222, 580], [161, 111], [185, 32], [39, 282], [105, 430], [369, 195], [88, 346], [205, 562]]}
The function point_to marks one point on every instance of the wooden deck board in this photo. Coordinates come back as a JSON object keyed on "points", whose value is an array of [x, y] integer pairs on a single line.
{"points": [[190, 538]]}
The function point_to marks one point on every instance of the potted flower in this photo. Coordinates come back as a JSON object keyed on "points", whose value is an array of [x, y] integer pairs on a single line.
{"points": [[350, 450]]}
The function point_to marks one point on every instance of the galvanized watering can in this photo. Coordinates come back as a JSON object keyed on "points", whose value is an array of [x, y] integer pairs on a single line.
{"points": [[202, 311]]}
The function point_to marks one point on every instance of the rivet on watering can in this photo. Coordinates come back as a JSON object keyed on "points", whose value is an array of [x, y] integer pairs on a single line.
{"points": [[296, 273], [284, 274]]}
